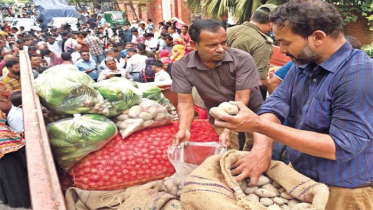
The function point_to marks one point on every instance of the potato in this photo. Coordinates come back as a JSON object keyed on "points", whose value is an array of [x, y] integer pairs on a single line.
{"points": [[123, 125], [159, 117], [285, 207], [125, 112], [264, 193], [271, 188], [148, 123], [286, 195], [145, 116], [229, 108], [118, 123], [252, 198], [153, 111], [292, 203], [282, 190], [243, 185], [250, 190], [277, 185], [279, 201], [123, 117], [266, 201], [263, 180], [274, 207], [215, 110], [134, 111], [302, 206]]}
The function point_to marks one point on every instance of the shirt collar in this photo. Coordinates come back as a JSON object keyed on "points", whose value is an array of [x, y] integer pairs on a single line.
{"points": [[194, 61], [334, 61]]}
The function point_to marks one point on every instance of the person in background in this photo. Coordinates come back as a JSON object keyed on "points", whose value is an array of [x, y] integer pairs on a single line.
{"points": [[160, 26], [12, 79], [67, 59], [70, 44], [126, 34], [141, 29], [177, 53], [15, 116], [184, 34], [55, 58], [5, 103], [76, 55], [136, 37], [35, 60], [95, 47], [251, 37], [169, 44], [160, 73], [113, 70], [150, 43], [53, 45], [4, 70], [142, 51], [101, 21], [150, 28], [173, 33], [112, 53], [87, 65], [135, 63]]}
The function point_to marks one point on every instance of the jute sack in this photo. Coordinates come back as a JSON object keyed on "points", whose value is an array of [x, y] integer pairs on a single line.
{"points": [[212, 186], [147, 196]]}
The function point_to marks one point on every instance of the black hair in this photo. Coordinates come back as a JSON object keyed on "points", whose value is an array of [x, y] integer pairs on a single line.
{"points": [[260, 17], [140, 46], [85, 34], [173, 27], [161, 23], [200, 25], [32, 48], [169, 38], [305, 17], [148, 35], [150, 20], [185, 26], [166, 27], [45, 52], [11, 63], [114, 49], [66, 56], [16, 98], [134, 30], [3, 28], [132, 50], [84, 51], [157, 63], [15, 28], [19, 41]]}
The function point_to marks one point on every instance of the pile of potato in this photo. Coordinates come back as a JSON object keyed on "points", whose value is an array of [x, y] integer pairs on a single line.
{"points": [[271, 194]]}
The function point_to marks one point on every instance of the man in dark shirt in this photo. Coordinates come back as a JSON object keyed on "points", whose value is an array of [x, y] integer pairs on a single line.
{"points": [[92, 22], [126, 35], [220, 74], [169, 43], [326, 98]]}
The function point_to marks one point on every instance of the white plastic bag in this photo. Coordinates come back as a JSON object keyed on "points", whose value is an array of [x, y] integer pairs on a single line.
{"points": [[147, 114], [185, 158]]}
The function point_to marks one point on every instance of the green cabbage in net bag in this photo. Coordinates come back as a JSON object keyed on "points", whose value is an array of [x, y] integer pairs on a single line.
{"points": [[74, 138], [119, 93], [65, 89]]}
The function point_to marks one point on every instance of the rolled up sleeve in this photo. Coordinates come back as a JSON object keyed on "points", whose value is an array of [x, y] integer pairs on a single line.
{"points": [[352, 121]]}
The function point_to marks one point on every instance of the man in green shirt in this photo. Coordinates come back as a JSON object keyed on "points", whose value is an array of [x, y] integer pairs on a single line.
{"points": [[251, 37]]}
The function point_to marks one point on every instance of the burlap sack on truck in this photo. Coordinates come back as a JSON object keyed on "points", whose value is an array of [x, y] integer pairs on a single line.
{"points": [[147, 196], [212, 186]]}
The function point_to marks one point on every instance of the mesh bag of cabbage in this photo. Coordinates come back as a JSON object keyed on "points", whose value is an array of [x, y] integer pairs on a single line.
{"points": [[212, 186]]}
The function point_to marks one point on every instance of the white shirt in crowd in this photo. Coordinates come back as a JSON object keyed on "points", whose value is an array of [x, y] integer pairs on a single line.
{"points": [[162, 75], [15, 119], [175, 36], [136, 63], [151, 44]]}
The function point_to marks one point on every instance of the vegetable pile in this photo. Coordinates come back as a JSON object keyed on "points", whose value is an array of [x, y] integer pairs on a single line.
{"points": [[140, 158], [154, 93], [120, 93], [74, 138], [146, 115], [65, 89], [271, 194]]}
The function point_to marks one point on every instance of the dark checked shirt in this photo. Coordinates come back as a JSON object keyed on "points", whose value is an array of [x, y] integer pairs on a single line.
{"points": [[333, 98]]}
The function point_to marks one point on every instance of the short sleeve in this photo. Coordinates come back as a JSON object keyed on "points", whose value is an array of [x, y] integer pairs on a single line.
{"points": [[180, 83], [281, 73], [247, 76]]}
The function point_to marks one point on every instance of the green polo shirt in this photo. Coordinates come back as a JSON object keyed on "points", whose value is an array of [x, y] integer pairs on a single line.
{"points": [[249, 38]]}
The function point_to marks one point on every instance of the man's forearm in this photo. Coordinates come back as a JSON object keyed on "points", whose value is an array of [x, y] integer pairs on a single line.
{"points": [[312, 143], [186, 115]]}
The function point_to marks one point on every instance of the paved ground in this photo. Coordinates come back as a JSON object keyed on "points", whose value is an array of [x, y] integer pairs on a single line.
{"points": [[5, 207]]}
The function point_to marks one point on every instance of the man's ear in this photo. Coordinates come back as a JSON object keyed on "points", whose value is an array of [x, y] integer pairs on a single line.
{"points": [[318, 37], [193, 45]]}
